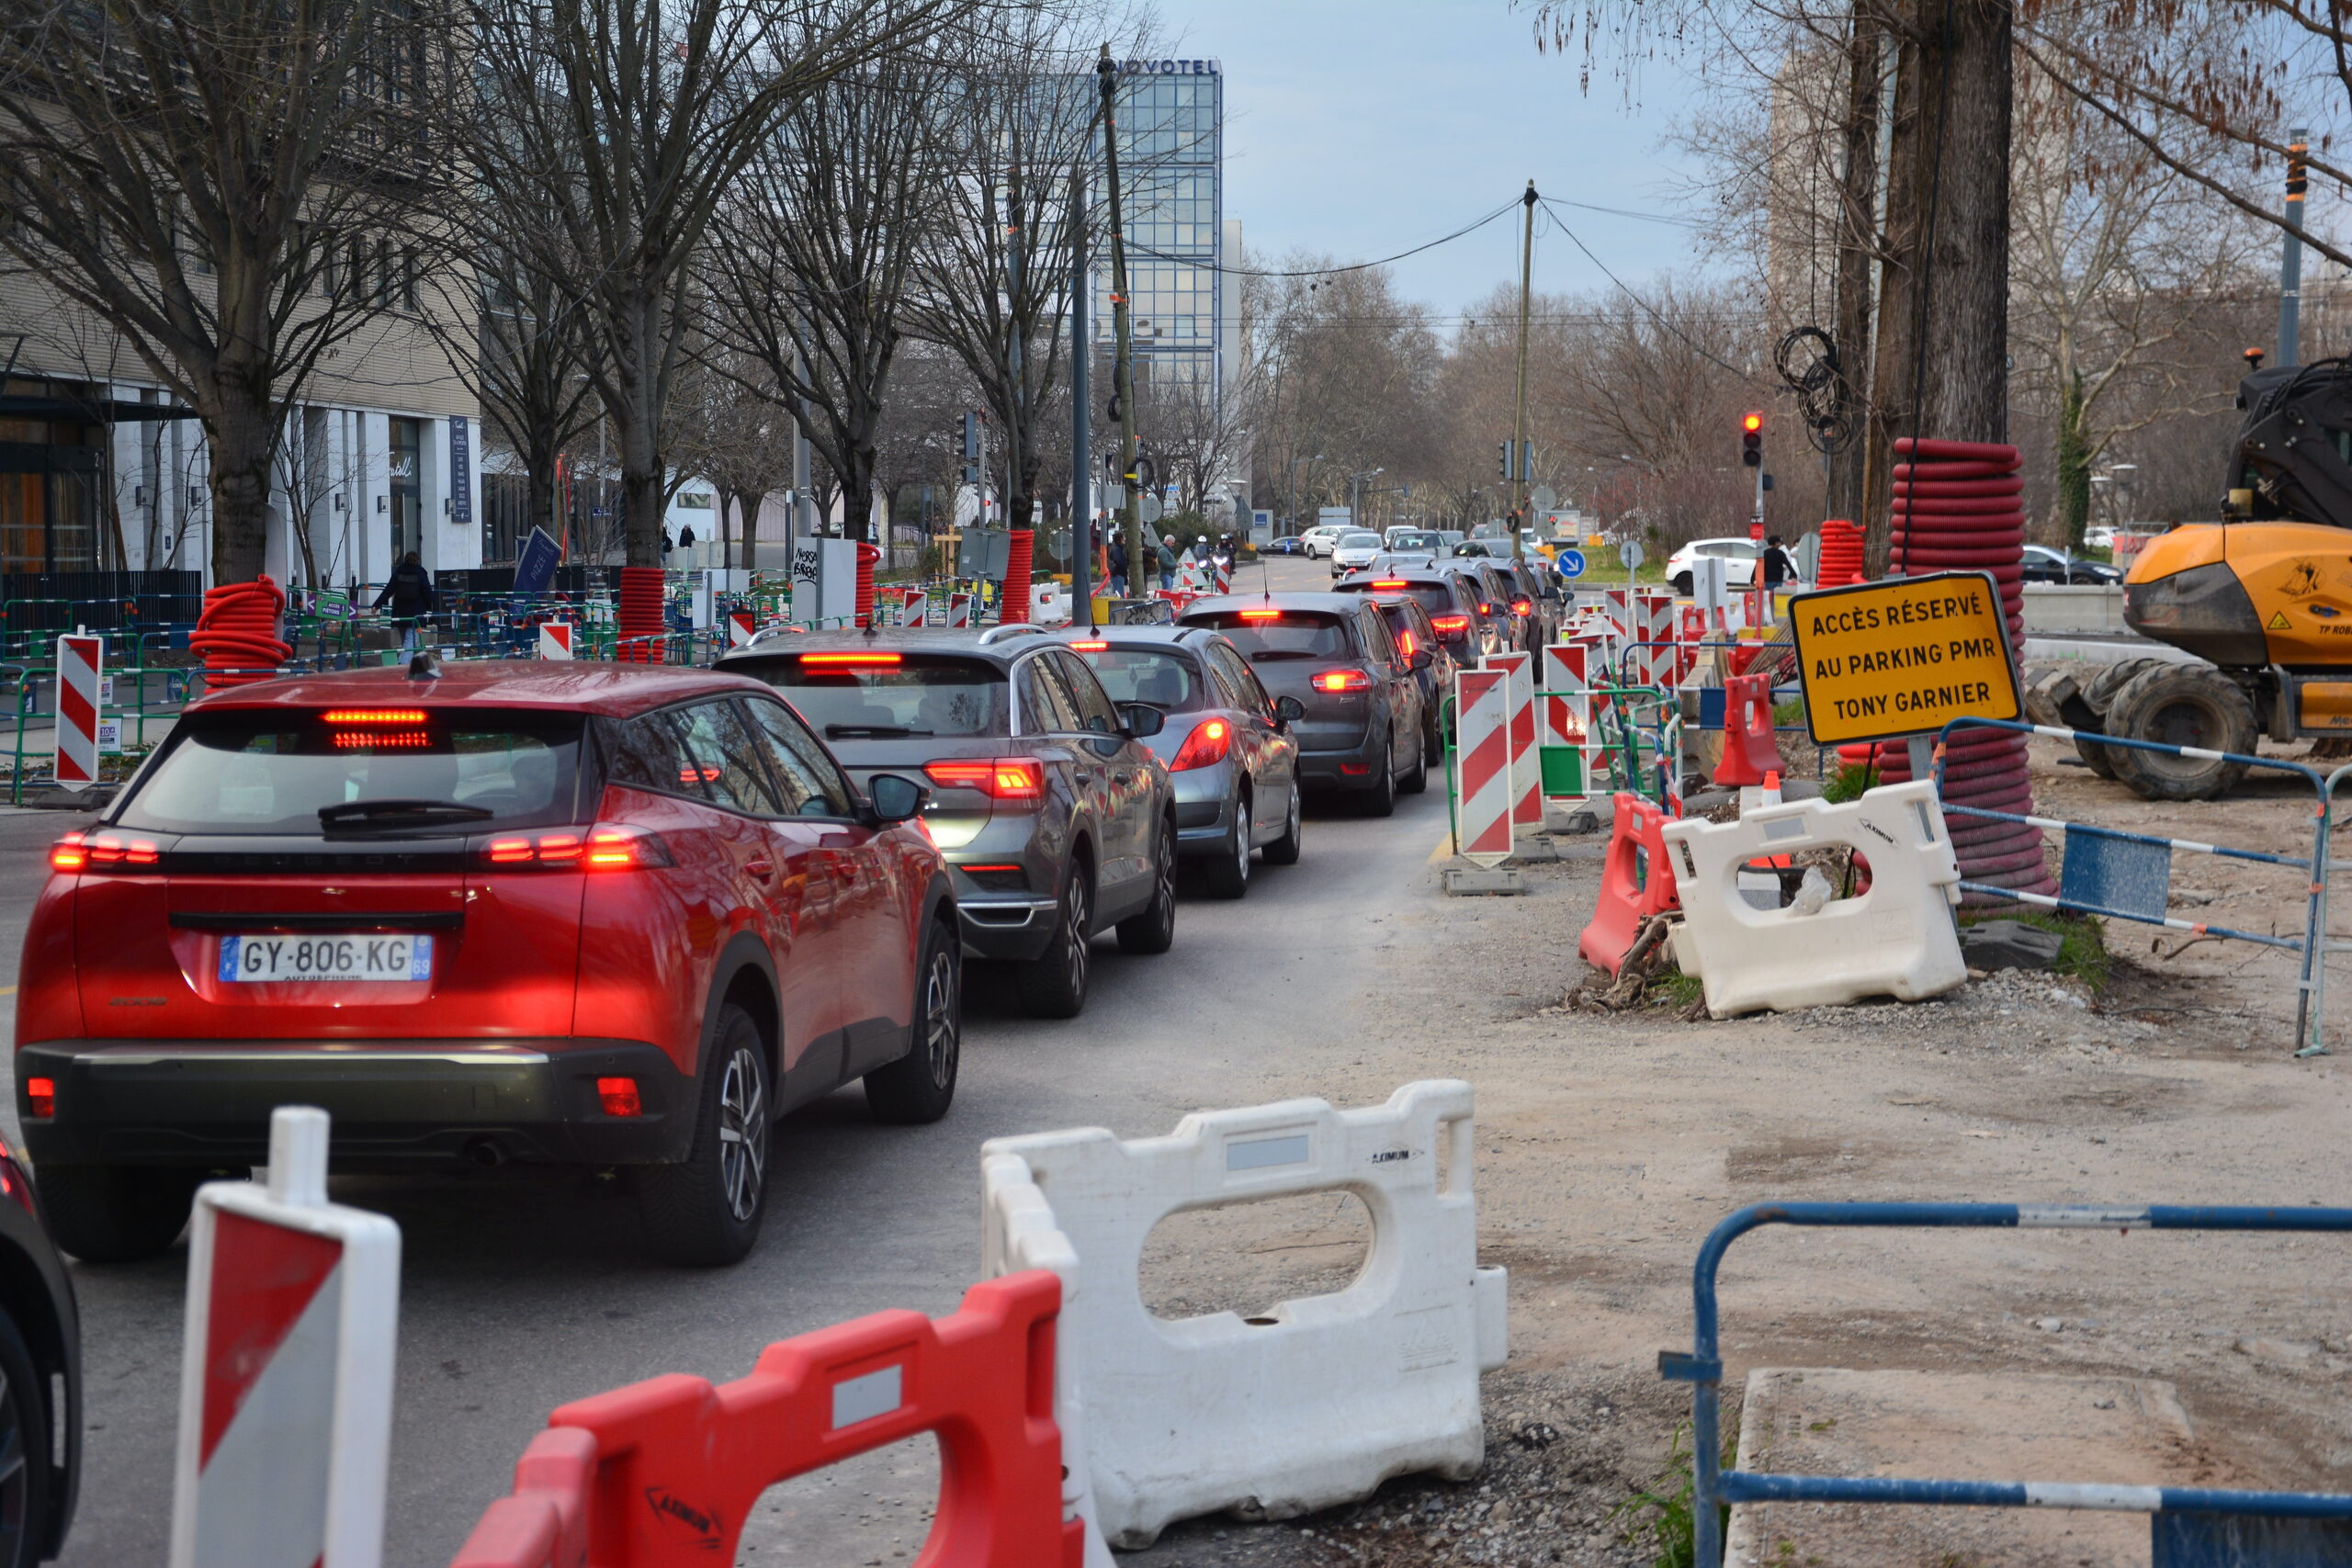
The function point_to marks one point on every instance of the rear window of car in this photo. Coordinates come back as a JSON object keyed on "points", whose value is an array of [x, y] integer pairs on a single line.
{"points": [[890, 696], [1733, 550], [463, 770], [1435, 597], [1266, 639], [1359, 541], [1166, 681]]}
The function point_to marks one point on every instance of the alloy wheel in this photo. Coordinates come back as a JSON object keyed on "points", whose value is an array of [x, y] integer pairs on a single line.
{"points": [[742, 1133], [1242, 828], [1078, 911], [940, 1041]]}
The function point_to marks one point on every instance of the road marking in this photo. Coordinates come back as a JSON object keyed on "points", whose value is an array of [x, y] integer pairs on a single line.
{"points": [[8, 990], [1443, 851]]}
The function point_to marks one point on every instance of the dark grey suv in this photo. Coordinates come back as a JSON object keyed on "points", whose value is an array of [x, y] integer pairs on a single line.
{"points": [[1057, 821], [1359, 730]]}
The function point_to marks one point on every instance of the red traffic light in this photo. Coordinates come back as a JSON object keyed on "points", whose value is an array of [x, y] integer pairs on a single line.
{"points": [[1751, 422]]}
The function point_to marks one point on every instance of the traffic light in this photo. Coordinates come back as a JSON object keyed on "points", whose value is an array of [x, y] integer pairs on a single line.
{"points": [[971, 448], [1751, 440], [1503, 450]]}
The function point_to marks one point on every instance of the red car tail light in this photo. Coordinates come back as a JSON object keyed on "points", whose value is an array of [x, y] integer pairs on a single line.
{"points": [[1342, 681], [1451, 623], [619, 1097], [1523, 606], [1091, 647], [1389, 582], [105, 851], [1208, 743], [374, 716], [850, 660], [1485, 608], [617, 846], [382, 740], [999, 778], [1255, 615], [40, 1097], [561, 850], [1407, 642]]}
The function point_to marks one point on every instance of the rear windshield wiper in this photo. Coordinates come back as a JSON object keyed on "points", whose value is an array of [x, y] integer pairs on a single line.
{"points": [[873, 731], [365, 814], [1265, 655]]}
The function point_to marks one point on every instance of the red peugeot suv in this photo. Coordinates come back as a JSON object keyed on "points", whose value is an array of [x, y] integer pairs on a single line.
{"points": [[550, 913]]}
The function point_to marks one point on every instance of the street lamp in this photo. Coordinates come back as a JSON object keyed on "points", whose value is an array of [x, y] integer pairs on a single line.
{"points": [[1294, 462], [1354, 482]]}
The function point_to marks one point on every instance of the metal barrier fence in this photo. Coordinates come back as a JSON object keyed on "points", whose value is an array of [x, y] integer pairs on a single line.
{"points": [[1703, 1368], [2128, 876]]}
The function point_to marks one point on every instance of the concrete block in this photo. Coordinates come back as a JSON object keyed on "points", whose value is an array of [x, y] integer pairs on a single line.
{"points": [[1463, 881], [2008, 944]]}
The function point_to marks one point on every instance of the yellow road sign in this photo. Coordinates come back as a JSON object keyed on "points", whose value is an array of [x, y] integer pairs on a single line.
{"points": [[1903, 657]]}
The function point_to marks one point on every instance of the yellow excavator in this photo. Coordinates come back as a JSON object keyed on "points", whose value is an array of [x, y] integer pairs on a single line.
{"points": [[2263, 599]]}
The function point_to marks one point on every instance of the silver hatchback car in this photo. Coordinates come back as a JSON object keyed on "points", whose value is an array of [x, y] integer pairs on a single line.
{"points": [[1227, 744]]}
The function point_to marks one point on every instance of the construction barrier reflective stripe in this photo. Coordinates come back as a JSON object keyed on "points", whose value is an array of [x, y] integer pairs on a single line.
{"points": [[1895, 940], [1565, 704], [1703, 1368], [79, 659], [1526, 776], [1320, 1399], [1482, 731], [676, 1464], [1636, 882], [555, 639], [286, 1384]]}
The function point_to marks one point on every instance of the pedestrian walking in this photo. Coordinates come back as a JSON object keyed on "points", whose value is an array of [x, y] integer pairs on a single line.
{"points": [[1117, 554], [1775, 567], [409, 591], [1168, 561]]}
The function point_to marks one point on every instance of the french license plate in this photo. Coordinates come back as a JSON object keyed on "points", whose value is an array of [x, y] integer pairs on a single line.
{"points": [[326, 958]]}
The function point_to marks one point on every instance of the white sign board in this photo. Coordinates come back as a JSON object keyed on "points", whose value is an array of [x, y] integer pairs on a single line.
{"points": [[1710, 583], [824, 581]]}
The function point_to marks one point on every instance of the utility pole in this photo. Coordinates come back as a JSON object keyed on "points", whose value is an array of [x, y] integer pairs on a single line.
{"points": [[1081, 355], [1519, 464], [1123, 371], [2290, 259]]}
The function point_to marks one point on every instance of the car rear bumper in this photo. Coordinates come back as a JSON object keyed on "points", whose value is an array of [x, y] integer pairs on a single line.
{"points": [[402, 1103], [1203, 810], [1013, 929], [1328, 769]]}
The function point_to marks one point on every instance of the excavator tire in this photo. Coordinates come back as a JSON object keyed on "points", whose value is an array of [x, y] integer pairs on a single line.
{"points": [[2054, 697], [2180, 705]]}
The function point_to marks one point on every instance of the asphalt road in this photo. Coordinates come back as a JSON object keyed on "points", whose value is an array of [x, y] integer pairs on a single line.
{"points": [[523, 1289]]}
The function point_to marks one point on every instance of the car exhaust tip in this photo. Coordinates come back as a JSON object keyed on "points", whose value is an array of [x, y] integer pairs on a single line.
{"points": [[486, 1152]]}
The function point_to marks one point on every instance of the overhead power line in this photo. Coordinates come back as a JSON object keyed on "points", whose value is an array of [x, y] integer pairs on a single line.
{"points": [[1206, 265], [1692, 344]]}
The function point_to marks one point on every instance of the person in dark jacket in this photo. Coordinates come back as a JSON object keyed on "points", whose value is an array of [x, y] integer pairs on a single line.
{"points": [[409, 591], [1776, 568], [1117, 555]]}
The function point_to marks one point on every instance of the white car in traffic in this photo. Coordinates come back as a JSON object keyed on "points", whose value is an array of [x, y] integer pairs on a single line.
{"points": [[1354, 551], [1319, 541], [1739, 558]]}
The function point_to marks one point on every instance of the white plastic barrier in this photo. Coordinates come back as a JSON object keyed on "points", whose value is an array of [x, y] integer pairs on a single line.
{"points": [[1895, 940], [1318, 1402]]}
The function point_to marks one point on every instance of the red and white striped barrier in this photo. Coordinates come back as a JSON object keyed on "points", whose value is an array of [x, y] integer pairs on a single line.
{"points": [[741, 627], [1654, 612], [555, 639], [918, 609], [1482, 726], [79, 659], [1566, 709], [1526, 778], [286, 1384], [959, 609]]}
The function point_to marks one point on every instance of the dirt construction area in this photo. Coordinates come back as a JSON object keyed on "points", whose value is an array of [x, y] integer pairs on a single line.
{"points": [[1608, 1145]]}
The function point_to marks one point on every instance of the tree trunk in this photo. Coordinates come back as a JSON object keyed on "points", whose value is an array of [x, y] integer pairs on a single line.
{"points": [[1942, 363], [2074, 464], [1858, 244], [242, 438]]}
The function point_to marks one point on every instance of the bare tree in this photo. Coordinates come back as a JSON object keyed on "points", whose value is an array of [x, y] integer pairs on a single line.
{"points": [[816, 247], [215, 181], [629, 120]]}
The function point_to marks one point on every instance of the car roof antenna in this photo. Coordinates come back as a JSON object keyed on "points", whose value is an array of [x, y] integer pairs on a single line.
{"points": [[424, 665]]}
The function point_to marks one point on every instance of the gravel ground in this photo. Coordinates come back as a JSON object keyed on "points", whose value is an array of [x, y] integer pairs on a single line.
{"points": [[1609, 1145]]}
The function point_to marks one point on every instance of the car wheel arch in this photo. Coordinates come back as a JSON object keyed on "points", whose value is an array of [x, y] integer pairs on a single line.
{"points": [[745, 976], [25, 1297]]}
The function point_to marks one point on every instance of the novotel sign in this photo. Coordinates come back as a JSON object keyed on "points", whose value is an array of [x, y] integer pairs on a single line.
{"points": [[1168, 67]]}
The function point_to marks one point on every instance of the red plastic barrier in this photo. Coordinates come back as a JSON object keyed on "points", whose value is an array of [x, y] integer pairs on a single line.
{"points": [[237, 632], [1636, 882], [868, 556], [1014, 606], [1842, 554], [641, 625], [1749, 751], [663, 1473]]}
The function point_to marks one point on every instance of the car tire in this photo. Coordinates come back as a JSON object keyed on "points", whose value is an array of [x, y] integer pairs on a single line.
{"points": [[705, 1211], [1226, 874], [1417, 781], [25, 1423], [1680, 583], [1053, 984], [1284, 851], [1380, 800], [1154, 930], [115, 1214], [920, 1086]]}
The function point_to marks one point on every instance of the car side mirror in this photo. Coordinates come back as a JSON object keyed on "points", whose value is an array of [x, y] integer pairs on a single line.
{"points": [[1143, 720], [1419, 661], [1288, 710], [895, 798]]}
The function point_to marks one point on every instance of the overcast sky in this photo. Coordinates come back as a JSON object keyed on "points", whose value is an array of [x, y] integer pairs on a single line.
{"points": [[1359, 128]]}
